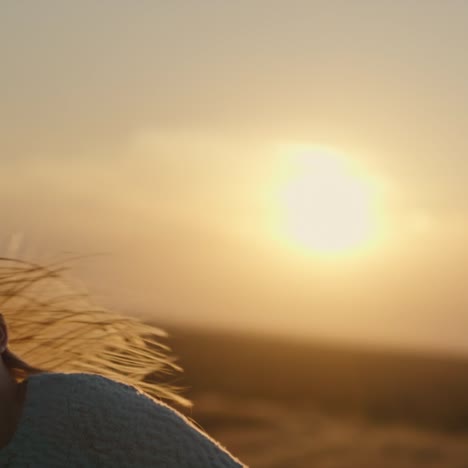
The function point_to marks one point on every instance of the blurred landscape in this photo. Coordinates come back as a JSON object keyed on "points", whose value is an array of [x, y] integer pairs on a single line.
{"points": [[275, 403], [284, 168]]}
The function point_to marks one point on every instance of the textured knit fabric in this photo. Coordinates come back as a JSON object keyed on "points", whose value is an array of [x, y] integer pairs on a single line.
{"points": [[84, 420]]}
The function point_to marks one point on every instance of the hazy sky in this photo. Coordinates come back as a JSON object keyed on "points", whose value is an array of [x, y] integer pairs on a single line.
{"points": [[151, 130]]}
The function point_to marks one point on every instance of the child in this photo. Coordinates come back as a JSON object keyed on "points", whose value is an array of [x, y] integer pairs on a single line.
{"points": [[83, 419]]}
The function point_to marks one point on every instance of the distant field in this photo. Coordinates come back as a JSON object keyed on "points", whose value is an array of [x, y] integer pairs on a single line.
{"points": [[278, 404], [265, 434]]}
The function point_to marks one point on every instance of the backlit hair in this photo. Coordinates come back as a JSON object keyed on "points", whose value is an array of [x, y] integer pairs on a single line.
{"points": [[53, 328]]}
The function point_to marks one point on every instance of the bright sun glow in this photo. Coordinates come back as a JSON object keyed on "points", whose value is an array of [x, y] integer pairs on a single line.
{"points": [[327, 206]]}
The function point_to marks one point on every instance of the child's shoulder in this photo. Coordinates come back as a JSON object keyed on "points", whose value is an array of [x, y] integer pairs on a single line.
{"points": [[107, 413]]}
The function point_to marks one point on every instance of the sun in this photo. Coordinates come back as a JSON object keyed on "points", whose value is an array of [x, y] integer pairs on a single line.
{"points": [[326, 204]]}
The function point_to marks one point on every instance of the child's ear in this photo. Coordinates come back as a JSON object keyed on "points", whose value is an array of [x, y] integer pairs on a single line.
{"points": [[3, 335]]}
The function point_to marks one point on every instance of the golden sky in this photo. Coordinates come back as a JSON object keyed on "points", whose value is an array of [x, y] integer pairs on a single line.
{"points": [[203, 145]]}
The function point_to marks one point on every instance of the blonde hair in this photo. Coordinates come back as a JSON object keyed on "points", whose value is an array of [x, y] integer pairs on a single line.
{"points": [[53, 328]]}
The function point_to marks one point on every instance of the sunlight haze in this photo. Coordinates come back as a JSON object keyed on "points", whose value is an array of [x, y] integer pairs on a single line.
{"points": [[296, 168]]}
